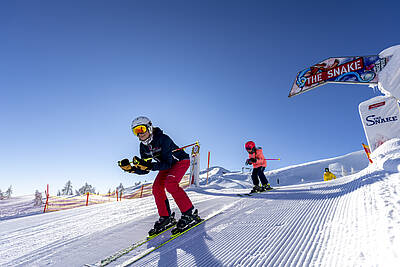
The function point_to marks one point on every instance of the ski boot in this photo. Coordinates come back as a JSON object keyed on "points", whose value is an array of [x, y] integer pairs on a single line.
{"points": [[256, 189], [266, 187], [187, 220], [163, 224]]}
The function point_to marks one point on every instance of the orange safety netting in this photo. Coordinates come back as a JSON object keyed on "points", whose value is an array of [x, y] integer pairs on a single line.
{"points": [[56, 203]]}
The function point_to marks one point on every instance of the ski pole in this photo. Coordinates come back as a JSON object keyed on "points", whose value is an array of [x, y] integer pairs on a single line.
{"points": [[179, 148], [272, 159], [184, 147]]}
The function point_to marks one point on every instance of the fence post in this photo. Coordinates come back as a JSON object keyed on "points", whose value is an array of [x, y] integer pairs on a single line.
{"points": [[208, 165], [47, 199], [116, 192], [141, 192], [120, 196], [87, 198]]}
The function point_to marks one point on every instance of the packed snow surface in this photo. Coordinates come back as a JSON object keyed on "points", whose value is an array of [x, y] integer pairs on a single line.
{"points": [[351, 221]]}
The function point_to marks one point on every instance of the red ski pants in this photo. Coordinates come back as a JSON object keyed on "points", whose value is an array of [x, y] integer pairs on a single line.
{"points": [[169, 179]]}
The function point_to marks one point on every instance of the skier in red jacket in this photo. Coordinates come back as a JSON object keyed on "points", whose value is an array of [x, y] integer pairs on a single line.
{"points": [[257, 159]]}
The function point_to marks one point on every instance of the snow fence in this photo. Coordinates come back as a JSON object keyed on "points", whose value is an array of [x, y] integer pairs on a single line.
{"points": [[57, 203]]}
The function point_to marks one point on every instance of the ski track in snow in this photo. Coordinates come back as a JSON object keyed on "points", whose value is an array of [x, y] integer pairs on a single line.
{"points": [[325, 225]]}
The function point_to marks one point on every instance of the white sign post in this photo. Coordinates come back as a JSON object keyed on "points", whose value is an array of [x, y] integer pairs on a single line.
{"points": [[195, 165]]}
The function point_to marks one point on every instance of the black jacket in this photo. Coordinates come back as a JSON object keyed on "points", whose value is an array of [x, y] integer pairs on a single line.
{"points": [[160, 149]]}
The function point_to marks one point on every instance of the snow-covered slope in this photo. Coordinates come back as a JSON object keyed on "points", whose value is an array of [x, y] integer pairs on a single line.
{"points": [[18, 207], [351, 221], [313, 171]]}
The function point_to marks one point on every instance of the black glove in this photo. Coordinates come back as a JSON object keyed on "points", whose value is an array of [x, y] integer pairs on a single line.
{"points": [[125, 165], [138, 171], [142, 164], [250, 161]]}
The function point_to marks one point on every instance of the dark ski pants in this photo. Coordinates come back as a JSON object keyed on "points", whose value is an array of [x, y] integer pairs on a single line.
{"points": [[169, 180], [259, 172]]}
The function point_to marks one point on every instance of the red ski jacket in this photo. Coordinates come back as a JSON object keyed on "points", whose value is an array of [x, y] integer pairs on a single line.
{"points": [[259, 156]]}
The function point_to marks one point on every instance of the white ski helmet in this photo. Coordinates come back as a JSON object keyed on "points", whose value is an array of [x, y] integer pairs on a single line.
{"points": [[141, 120]]}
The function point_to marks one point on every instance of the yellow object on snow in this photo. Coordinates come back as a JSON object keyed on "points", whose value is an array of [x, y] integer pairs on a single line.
{"points": [[329, 176]]}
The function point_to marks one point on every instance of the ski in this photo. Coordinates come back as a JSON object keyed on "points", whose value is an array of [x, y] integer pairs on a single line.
{"points": [[254, 193], [243, 195], [172, 237], [122, 252]]}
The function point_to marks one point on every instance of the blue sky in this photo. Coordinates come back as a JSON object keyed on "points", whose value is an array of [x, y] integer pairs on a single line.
{"points": [[73, 75]]}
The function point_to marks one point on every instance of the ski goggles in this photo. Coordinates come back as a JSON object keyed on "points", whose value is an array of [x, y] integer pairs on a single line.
{"points": [[140, 129]]}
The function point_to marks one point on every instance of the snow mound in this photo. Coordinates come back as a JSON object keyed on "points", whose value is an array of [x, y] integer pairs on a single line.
{"points": [[387, 156], [220, 178], [389, 77], [214, 171]]}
